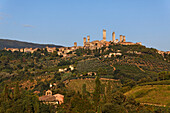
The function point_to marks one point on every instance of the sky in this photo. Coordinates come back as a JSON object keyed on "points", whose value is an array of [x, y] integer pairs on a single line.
{"points": [[63, 22]]}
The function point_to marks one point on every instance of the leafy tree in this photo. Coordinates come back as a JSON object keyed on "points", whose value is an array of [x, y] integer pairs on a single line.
{"points": [[164, 75], [44, 108], [26, 102], [80, 105], [113, 108], [57, 76]]}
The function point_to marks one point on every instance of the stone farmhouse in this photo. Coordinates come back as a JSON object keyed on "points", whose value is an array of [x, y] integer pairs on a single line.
{"points": [[48, 98]]}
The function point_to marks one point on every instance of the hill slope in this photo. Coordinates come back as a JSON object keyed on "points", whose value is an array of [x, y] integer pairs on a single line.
{"points": [[156, 94], [76, 84], [19, 44]]}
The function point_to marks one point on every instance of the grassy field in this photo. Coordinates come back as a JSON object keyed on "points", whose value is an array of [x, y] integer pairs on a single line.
{"points": [[90, 84], [154, 94]]}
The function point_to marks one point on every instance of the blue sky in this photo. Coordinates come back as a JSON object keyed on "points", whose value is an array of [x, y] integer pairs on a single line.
{"points": [[62, 22]]}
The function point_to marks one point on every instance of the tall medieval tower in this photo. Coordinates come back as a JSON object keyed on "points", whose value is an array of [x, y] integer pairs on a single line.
{"points": [[84, 41], [113, 36], [75, 44], [88, 38], [121, 39], [104, 35], [124, 39]]}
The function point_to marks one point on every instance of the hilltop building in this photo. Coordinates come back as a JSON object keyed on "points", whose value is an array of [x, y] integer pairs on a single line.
{"points": [[98, 44], [69, 51]]}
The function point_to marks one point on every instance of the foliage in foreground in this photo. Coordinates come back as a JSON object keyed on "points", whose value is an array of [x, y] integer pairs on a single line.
{"points": [[22, 102]]}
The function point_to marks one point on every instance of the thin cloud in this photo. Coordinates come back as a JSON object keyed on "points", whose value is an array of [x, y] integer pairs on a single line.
{"points": [[27, 25], [3, 16]]}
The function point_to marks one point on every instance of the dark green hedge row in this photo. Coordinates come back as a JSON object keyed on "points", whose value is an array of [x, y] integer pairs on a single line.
{"points": [[165, 82]]}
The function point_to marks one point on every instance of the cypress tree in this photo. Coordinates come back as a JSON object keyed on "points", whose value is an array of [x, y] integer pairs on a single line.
{"points": [[36, 104], [108, 93], [5, 93], [96, 96], [16, 91], [83, 90]]}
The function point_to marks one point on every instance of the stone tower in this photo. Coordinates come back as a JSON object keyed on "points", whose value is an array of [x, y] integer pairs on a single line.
{"points": [[117, 40], [113, 36], [121, 39], [84, 41], [88, 38], [104, 35], [75, 44], [124, 39]]}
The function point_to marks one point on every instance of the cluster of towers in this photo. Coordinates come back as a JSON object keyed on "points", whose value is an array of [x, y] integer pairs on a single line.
{"points": [[84, 40], [87, 43], [122, 38]]}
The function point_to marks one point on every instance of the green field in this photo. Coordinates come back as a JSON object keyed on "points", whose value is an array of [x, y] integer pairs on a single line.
{"points": [[154, 94], [90, 84]]}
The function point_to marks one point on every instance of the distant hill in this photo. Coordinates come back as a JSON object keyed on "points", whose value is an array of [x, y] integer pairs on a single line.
{"points": [[19, 44]]}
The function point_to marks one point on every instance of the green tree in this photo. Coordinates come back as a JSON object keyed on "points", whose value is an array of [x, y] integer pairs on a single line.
{"points": [[97, 92], [113, 108], [16, 91], [164, 75], [36, 104], [84, 90], [5, 93], [79, 104], [108, 93]]}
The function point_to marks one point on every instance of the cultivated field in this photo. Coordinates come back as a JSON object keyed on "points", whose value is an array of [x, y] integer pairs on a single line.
{"points": [[152, 94]]}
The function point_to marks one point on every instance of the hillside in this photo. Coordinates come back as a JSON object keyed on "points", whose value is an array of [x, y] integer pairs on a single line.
{"points": [[133, 67], [129, 65], [151, 94], [76, 84], [19, 44]]}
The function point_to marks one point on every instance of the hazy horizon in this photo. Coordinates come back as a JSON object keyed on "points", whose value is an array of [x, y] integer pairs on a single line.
{"points": [[64, 22]]}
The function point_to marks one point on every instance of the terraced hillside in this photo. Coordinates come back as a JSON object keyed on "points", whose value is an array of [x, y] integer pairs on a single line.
{"points": [[93, 65], [76, 84], [151, 94]]}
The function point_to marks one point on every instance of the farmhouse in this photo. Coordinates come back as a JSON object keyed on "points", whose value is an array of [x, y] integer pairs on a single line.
{"points": [[48, 98]]}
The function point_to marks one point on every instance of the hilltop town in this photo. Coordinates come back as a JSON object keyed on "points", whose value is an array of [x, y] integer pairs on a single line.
{"points": [[86, 45]]}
